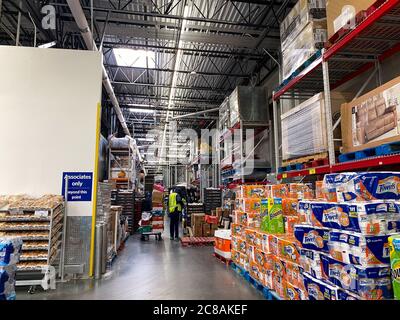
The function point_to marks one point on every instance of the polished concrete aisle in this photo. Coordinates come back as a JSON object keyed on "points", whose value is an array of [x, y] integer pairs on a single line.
{"points": [[158, 270]]}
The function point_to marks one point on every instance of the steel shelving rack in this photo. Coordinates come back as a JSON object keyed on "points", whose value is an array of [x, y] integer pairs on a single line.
{"points": [[125, 163], [362, 49], [43, 234]]}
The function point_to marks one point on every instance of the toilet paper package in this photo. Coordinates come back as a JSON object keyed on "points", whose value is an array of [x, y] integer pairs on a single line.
{"points": [[313, 238], [357, 249], [370, 283]]}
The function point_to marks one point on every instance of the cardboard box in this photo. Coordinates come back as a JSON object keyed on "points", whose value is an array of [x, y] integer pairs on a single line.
{"points": [[372, 119], [157, 196], [302, 13], [304, 127], [206, 230], [340, 12]]}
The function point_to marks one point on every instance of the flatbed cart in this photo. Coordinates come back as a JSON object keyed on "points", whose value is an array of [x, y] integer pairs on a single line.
{"points": [[145, 236]]}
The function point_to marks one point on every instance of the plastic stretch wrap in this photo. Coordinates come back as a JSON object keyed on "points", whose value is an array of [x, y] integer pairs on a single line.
{"points": [[307, 43], [303, 12], [303, 129], [10, 250], [224, 116], [121, 143]]}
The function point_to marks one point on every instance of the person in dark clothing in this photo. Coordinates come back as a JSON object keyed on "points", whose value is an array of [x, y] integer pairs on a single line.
{"points": [[175, 206]]}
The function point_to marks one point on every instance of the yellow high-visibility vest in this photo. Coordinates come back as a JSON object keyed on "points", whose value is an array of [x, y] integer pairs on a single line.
{"points": [[172, 203]]}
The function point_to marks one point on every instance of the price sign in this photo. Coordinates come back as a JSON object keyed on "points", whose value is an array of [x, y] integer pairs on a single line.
{"points": [[284, 176], [313, 171], [41, 213]]}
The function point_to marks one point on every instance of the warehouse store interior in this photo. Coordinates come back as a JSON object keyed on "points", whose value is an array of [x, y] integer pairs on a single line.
{"points": [[200, 149]]}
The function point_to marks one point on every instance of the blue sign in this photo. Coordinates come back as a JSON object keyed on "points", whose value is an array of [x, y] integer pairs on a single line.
{"points": [[80, 186]]}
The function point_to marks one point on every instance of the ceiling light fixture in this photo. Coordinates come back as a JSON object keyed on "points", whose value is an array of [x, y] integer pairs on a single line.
{"points": [[135, 58], [178, 59]]}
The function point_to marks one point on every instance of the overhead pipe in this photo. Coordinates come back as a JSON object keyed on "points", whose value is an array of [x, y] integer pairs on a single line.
{"points": [[194, 114], [80, 19]]}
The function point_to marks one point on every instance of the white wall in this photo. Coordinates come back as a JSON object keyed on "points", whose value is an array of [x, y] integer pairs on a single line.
{"points": [[48, 117]]}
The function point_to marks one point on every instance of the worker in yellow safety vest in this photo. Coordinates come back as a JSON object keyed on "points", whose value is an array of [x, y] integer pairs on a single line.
{"points": [[175, 207]]}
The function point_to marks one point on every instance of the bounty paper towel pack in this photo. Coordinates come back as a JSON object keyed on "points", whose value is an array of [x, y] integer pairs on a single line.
{"points": [[394, 244]]}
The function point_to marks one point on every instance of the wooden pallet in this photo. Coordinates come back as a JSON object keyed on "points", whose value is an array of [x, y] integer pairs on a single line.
{"points": [[318, 156], [197, 241]]}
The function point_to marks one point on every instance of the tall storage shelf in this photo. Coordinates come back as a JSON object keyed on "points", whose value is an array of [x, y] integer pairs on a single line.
{"points": [[364, 48], [42, 233], [122, 160], [244, 116]]}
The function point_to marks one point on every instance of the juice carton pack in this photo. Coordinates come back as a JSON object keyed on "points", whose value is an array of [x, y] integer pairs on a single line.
{"points": [[310, 261], [394, 243], [294, 293], [290, 222], [256, 191], [319, 289], [375, 218], [290, 206], [367, 186], [279, 191], [288, 249], [310, 237], [357, 249], [275, 216], [370, 283]]}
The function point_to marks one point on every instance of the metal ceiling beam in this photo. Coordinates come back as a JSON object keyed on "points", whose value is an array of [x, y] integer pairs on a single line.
{"points": [[201, 73], [171, 25], [247, 54], [168, 16], [152, 85], [166, 98], [189, 36], [157, 108]]}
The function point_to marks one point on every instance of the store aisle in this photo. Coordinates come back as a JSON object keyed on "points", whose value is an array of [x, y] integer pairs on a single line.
{"points": [[158, 270]]}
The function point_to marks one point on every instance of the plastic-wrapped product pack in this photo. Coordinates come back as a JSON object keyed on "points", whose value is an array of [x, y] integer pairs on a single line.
{"points": [[370, 283], [394, 243], [310, 261], [310, 237], [10, 249], [368, 186], [357, 249]]}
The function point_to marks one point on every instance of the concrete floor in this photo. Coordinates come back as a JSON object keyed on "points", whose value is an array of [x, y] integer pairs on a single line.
{"points": [[160, 271]]}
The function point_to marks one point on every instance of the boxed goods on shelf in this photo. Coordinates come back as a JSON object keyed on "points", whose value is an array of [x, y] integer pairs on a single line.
{"points": [[394, 243], [304, 127], [341, 12], [311, 39], [303, 13], [372, 119], [248, 104]]}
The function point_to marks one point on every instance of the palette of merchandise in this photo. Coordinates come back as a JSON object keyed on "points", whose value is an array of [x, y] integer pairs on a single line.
{"points": [[10, 249], [333, 241]]}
